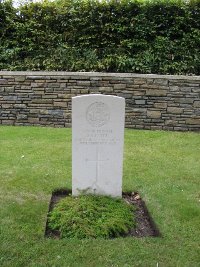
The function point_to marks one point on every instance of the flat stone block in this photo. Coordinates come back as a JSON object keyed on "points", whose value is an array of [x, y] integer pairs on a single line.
{"points": [[83, 83], [84, 91], [34, 85], [138, 93], [155, 87], [119, 86], [7, 122], [24, 87], [56, 112], [53, 85], [76, 91], [60, 78], [20, 106], [60, 104], [139, 110], [44, 111], [125, 95], [33, 120], [42, 101], [48, 90], [22, 117], [36, 77], [34, 111], [80, 77], [180, 128], [105, 89], [174, 88], [96, 78], [196, 90], [3, 81], [184, 100], [132, 87], [139, 81], [153, 114], [197, 104], [7, 105], [63, 85], [9, 89], [140, 102], [170, 122], [175, 110], [193, 121], [20, 78], [51, 96], [160, 105], [155, 92], [156, 127], [94, 91], [161, 81], [197, 84], [51, 81], [186, 89]]}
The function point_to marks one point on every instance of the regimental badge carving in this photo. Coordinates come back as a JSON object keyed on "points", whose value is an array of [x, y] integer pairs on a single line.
{"points": [[98, 114]]}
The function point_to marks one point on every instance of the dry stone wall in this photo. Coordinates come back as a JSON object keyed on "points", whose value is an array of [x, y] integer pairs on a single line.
{"points": [[152, 101]]}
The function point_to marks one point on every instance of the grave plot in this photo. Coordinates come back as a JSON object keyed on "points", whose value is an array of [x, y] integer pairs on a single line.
{"points": [[97, 169], [144, 223]]}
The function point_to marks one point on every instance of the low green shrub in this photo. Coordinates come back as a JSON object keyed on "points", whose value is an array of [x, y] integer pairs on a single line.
{"points": [[89, 216]]}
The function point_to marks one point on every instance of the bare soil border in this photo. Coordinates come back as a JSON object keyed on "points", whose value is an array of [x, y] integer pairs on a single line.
{"points": [[145, 225]]}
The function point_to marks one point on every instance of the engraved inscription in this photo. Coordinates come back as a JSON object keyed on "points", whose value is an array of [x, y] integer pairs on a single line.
{"points": [[98, 137], [98, 114]]}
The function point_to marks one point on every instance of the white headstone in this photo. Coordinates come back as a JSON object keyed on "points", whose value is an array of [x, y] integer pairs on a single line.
{"points": [[97, 144]]}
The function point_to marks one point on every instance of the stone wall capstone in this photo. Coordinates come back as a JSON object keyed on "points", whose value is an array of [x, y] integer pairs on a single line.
{"points": [[161, 102]]}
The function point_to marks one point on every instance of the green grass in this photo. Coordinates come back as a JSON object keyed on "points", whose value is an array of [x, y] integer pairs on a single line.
{"points": [[163, 166]]}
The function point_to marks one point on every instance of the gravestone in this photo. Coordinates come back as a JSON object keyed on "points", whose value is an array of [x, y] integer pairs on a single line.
{"points": [[97, 144]]}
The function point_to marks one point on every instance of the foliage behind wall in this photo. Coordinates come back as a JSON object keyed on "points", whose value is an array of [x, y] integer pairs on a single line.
{"points": [[114, 36]]}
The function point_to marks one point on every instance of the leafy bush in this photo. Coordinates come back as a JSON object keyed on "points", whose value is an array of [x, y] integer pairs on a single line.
{"points": [[157, 36], [91, 217]]}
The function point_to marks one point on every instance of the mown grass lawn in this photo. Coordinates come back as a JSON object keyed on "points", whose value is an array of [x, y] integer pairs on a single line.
{"points": [[164, 167]]}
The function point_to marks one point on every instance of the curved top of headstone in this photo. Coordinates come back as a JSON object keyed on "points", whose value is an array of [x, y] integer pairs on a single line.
{"points": [[99, 95], [98, 108]]}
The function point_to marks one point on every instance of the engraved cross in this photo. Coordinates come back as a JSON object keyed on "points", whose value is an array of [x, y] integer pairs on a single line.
{"points": [[97, 161]]}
